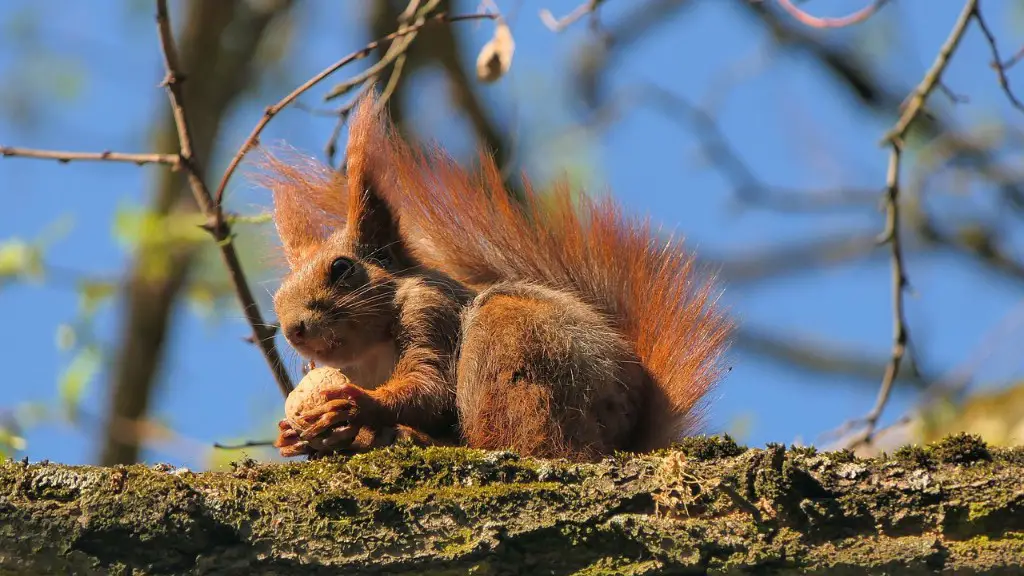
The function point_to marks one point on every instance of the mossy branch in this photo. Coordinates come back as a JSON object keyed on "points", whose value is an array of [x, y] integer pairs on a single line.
{"points": [[708, 506]]}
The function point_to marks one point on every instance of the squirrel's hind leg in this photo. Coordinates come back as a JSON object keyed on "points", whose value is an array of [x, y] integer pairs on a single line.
{"points": [[542, 373]]}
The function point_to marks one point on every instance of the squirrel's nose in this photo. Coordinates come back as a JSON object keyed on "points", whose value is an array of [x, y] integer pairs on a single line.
{"points": [[296, 331]]}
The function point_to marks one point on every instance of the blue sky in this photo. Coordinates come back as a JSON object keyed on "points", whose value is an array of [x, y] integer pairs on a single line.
{"points": [[792, 127]]}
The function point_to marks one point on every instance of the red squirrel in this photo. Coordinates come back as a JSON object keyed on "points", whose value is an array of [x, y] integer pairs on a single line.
{"points": [[549, 324]]}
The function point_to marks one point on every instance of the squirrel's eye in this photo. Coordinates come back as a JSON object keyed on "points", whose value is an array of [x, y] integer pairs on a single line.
{"points": [[341, 269]]}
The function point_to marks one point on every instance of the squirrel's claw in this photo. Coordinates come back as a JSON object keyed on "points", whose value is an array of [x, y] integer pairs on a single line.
{"points": [[326, 416], [347, 419], [288, 442], [339, 437]]}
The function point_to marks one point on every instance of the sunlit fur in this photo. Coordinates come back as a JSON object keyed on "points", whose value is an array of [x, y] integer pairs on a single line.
{"points": [[590, 333], [392, 326]]}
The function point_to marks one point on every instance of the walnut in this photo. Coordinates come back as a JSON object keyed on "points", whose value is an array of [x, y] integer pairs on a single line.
{"points": [[312, 392]]}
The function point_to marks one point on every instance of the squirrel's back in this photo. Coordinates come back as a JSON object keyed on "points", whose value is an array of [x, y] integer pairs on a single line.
{"points": [[466, 224]]}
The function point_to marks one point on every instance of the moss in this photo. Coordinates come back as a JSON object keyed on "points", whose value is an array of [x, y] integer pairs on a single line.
{"points": [[463, 497], [461, 542], [988, 555], [913, 456], [407, 510], [805, 451], [400, 468], [709, 447], [1013, 456], [844, 456], [619, 565], [961, 449]]}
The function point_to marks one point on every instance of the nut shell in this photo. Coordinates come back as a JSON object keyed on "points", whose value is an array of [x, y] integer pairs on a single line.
{"points": [[310, 392]]}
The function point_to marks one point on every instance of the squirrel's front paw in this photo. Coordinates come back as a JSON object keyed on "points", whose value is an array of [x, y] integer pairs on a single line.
{"points": [[289, 443], [335, 422], [327, 413]]}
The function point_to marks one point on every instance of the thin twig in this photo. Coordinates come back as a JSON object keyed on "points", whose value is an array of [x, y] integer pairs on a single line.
{"points": [[63, 157], [816, 22], [272, 111], [396, 54], [395, 51], [243, 445], [559, 24], [322, 112], [221, 231], [891, 235], [997, 62], [916, 103], [331, 148], [1014, 59]]}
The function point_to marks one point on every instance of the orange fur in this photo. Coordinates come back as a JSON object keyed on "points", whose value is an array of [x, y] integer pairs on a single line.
{"points": [[648, 286], [591, 333]]}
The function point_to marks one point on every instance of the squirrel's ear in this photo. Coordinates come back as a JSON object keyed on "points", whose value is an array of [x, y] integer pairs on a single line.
{"points": [[372, 221], [299, 231], [309, 204]]}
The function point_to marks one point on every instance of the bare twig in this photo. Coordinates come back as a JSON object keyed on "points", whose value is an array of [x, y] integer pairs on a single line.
{"points": [[272, 111], [105, 156], [243, 445], [820, 357], [997, 62], [816, 22], [891, 235], [956, 381], [331, 148], [931, 79], [747, 187], [407, 31], [218, 228], [559, 24], [1014, 59], [395, 56]]}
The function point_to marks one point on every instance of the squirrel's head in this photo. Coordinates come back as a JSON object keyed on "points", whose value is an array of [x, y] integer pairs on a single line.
{"points": [[344, 250]]}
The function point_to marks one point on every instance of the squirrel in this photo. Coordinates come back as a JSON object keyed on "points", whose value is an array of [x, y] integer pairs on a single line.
{"points": [[548, 324]]}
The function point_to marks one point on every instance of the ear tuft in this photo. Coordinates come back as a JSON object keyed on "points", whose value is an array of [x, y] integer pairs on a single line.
{"points": [[372, 221], [309, 202]]}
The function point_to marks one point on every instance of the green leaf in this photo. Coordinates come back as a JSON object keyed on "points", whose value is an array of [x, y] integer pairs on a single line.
{"points": [[133, 227], [93, 293], [82, 369], [18, 258], [10, 441]]}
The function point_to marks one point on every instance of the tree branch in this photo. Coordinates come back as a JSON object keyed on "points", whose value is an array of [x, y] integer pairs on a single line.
{"points": [[841, 22], [63, 157], [262, 334], [272, 111], [997, 62], [891, 236], [708, 506]]}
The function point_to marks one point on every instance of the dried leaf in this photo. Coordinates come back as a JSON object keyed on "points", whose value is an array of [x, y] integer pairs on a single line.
{"points": [[495, 57]]}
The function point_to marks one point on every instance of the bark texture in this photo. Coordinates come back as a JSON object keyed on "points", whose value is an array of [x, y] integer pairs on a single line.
{"points": [[705, 507]]}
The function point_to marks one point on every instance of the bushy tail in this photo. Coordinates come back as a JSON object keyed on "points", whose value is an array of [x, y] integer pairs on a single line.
{"points": [[465, 224]]}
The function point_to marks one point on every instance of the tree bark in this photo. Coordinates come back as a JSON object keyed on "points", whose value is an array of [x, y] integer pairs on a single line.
{"points": [[705, 507], [218, 74]]}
